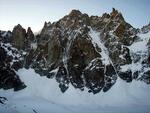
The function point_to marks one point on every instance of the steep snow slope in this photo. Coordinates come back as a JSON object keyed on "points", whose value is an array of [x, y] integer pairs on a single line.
{"points": [[43, 96], [104, 52], [96, 42], [139, 52]]}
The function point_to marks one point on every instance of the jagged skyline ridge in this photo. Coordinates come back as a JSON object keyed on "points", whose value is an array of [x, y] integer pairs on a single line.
{"points": [[34, 13]]}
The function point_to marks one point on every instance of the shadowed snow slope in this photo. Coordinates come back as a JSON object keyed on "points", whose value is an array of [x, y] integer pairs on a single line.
{"points": [[43, 95]]}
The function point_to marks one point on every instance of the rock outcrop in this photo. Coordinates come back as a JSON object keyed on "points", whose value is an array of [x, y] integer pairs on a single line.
{"points": [[21, 39], [19, 35], [5, 36], [8, 77], [3, 100], [146, 28], [30, 39]]}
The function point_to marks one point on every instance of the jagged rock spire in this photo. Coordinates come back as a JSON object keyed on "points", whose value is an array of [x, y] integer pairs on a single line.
{"points": [[18, 38], [30, 34]]}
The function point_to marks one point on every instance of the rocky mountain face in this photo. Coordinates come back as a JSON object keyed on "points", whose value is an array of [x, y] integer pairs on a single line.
{"points": [[9, 62], [5, 36], [86, 51], [21, 39], [146, 28]]}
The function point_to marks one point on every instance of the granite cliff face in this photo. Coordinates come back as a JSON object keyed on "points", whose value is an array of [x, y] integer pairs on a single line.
{"points": [[86, 51]]}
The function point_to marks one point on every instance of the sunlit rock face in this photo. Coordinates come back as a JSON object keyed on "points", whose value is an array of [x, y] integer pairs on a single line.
{"points": [[88, 52]]}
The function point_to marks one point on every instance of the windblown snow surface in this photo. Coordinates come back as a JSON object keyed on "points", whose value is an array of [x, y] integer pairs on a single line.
{"points": [[43, 95]]}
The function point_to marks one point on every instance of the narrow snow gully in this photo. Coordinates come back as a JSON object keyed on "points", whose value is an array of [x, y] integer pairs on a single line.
{"points": [[66, 51], [96, 40]]}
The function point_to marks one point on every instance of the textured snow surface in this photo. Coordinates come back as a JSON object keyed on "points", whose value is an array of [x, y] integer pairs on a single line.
{"points": [[43, 95]]}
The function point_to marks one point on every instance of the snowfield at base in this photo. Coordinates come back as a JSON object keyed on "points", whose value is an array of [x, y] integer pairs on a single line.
{"points": [[43, 95]]}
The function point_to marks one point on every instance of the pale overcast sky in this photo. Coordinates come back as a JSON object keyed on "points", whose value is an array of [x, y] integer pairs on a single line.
{"points": [[34, 13]]}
